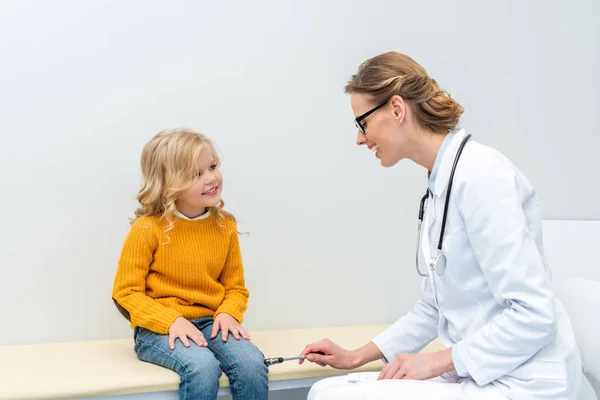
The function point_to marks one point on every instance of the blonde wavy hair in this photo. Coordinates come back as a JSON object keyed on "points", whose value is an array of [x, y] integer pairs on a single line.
{"points": [[168, 167], [389, 74]]}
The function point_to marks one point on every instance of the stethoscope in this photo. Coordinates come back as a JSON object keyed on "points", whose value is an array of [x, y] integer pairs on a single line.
{"points": [[438, 263]]}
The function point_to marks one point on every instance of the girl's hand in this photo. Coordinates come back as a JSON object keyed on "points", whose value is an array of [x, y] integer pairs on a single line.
{"points": [[184, 329], [226, 323]]}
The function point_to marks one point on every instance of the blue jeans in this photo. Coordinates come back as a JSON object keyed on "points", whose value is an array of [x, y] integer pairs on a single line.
{"points": [[200, 367]]}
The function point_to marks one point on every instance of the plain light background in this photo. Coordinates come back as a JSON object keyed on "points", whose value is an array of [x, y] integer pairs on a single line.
{"points": [[83, 85]]}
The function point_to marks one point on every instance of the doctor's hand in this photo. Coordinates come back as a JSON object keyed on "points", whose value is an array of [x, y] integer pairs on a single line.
{"points": [[418, 366], [325, 352]]}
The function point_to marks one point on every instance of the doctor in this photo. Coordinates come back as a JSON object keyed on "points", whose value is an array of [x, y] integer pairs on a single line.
{"points": [[486, 289]]}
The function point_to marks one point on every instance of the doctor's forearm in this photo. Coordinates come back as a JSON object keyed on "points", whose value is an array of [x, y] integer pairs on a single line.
{"points": [[366, 354]]}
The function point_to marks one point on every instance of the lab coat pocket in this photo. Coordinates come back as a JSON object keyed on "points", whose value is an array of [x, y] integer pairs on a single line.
{"points": [[536, 369], [463, 269], [547, 379]]}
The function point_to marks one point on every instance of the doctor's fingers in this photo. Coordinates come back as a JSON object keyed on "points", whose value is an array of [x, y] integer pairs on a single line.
{"points": [[389, 370], [401, 374], [321, 359], [383, 372], [323, 347], [307, 350]]}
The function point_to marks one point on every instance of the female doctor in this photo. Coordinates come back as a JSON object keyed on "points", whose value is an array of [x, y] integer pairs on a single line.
{"points": [[486, 289]]}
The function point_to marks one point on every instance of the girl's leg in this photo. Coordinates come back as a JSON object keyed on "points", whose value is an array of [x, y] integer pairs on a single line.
{"points": [[197, 366], [243, 363]]}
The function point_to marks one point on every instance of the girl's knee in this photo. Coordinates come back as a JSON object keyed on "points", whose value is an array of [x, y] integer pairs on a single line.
{"points": [[248, 360], [200, 376], [252, 365], [205, 366]]}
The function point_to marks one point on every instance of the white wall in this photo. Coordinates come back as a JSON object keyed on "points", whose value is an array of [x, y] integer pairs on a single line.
{"points": [[83, 85], [569, 247]]}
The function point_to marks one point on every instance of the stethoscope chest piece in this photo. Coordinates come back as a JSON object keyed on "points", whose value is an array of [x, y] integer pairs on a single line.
{"points": [[440, 264]]}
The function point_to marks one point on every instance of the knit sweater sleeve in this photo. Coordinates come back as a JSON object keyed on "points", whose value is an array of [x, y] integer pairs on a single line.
{"points": [[129, 289], [236, 297]]}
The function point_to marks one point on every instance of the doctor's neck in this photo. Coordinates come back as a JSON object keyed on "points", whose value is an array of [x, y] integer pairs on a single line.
{"points": [[426, 147]]}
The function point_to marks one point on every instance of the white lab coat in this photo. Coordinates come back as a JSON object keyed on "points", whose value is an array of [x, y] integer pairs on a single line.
{"points": [[494, 303]]}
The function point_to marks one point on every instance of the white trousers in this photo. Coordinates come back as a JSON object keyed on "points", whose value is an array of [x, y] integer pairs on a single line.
{"points": [[365, 386]]}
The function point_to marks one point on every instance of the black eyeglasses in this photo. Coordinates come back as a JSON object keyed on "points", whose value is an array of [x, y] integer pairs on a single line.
{"points": [[365, 115]]}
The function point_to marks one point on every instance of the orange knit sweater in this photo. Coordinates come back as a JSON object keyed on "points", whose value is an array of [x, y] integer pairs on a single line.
{"points": [[198, 273]]}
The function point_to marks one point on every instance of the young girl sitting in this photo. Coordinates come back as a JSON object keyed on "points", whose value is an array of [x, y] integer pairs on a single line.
{"points": [[180, 274]]}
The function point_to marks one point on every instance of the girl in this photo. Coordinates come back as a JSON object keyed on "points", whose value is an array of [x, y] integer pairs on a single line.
{"points": [[180, 273]]}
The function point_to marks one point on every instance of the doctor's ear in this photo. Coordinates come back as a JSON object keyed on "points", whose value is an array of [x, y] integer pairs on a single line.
{"points": [[398, 108], [397, 116]]}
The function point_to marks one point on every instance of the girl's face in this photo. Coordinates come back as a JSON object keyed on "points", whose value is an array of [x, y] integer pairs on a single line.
{"points": [[206, 190]]}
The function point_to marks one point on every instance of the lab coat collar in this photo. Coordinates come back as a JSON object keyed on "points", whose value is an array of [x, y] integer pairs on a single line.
{"points": [[438, 161], [443, 174]]}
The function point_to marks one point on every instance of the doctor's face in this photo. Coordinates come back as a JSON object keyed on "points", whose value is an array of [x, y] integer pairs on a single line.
{"points": [[381, 131]]}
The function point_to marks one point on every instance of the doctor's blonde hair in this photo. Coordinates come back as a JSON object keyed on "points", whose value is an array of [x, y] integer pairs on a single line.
{"points": [[168, 168], [389, 74]]}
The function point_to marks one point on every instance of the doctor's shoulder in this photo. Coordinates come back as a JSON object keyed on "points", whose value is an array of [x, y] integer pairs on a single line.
{"points": [[487, 169]]}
